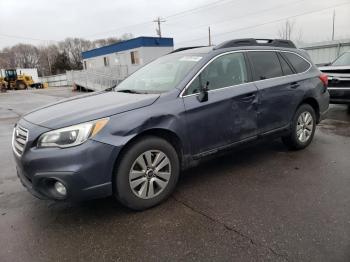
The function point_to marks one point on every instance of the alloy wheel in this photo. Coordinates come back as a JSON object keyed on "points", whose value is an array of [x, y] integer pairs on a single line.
{"points": [[305, 126], [149, 174]]}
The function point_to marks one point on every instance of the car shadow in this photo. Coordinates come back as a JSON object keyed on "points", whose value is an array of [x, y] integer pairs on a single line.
{"points": [[246, 155], [217, 166]]}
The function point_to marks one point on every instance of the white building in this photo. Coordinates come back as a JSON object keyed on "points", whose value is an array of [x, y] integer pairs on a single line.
{"points": [[326, 52], [130, 54], [109, 65]]}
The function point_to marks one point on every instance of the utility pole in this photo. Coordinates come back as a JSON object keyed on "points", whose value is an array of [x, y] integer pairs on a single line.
{"points": [[209, 36], [159, 20], [49, 62], [333, 20]]}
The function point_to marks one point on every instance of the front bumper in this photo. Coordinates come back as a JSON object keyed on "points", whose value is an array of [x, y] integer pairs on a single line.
{"points": [[86, 170]]}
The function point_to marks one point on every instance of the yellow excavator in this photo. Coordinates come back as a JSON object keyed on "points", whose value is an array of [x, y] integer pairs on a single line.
{"points": [[19, 81], [3, 85]]}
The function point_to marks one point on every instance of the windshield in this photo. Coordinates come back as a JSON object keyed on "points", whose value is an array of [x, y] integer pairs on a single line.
{"points": [[343, 60], [161, 75]]}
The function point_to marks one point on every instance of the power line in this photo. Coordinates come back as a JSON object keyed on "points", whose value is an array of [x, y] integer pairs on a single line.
{"points": [[116, 29], [248, 14], [270, 22], [124, 27], [25, 38], [167, 17], [198, 8]]}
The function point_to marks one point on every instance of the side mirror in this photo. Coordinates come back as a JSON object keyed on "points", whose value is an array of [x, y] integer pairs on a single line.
{"points": [[203, 93]]}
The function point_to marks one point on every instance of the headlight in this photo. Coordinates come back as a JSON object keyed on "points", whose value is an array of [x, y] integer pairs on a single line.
{"points": [[72, 135]]}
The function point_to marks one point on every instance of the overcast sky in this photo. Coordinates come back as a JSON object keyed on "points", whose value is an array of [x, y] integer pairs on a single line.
{"points": [[43, 21]]}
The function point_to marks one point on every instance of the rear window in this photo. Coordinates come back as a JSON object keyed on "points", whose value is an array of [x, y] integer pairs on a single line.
{"points": [[265, 64], [299, 64]]}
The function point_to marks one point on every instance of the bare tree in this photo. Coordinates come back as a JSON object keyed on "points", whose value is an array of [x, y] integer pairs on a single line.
{"points": [[111, 40], [7, 58], [73, 47], [126, 36], [286, 30], [48, 55], [25, 55], [53, 58], [105, 41]]}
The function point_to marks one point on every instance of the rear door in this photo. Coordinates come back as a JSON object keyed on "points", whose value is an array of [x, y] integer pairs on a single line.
{"points": [[276, 90], [230, 113]]}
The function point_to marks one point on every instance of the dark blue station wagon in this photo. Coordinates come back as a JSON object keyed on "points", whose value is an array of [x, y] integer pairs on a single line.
{"points": [[133, 140]]}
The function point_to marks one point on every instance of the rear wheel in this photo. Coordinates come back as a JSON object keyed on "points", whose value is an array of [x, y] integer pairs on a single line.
{"points": [[147, 173], [302, 128]]}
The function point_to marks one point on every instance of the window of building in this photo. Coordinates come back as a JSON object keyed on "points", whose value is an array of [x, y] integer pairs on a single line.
{"points": [[106, 61], [135, 59], [227, 70], [299, 64], [265, 64]]}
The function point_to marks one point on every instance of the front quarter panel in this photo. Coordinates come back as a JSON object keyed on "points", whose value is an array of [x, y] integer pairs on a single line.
{"points": [[166, 113]]}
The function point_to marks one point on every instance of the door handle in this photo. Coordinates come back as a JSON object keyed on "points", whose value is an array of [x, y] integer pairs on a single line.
{"points": [[247, 97], [294, 85]]}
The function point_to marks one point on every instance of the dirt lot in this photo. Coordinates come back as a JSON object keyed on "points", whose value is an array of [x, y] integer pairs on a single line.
{"points": [[262, 203]]}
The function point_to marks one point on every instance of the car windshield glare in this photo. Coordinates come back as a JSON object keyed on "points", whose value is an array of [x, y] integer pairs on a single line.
{"points": [[161, 75], [343, 60]]}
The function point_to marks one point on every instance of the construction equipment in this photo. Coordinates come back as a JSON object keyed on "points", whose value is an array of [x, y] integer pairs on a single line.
{"points": [[3, 85], [20, 81]]}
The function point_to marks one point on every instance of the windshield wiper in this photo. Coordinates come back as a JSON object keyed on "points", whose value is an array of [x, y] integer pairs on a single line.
{"points": [[131, 91], [109, 89]]}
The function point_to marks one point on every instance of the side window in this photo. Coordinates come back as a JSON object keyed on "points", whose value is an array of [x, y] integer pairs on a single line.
{"points": [[227, 70], [298, 63], [265, 64], [285, 67]]}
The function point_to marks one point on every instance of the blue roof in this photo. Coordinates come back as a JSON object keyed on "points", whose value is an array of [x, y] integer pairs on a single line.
{"points": [[128, 44]]}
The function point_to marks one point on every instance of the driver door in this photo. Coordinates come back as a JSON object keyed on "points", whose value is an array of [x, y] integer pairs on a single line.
{"points": [[229, 115]]}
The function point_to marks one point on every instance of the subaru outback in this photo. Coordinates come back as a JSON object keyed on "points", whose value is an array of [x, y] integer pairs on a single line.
{"points": [[132, 141]]}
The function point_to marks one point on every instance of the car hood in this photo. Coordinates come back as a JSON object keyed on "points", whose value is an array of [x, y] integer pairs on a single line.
{"points": [[87, 107]]}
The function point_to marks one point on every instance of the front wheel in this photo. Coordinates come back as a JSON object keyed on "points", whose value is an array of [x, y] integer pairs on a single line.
{"points": [[302, 128], [20, 85], [147, 173]]}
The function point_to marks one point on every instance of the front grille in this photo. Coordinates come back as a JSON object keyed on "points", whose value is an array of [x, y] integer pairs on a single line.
{"points": [[19, 139]]}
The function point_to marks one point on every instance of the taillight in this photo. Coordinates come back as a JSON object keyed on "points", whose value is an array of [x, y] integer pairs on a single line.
{"points": [[324, 78]]}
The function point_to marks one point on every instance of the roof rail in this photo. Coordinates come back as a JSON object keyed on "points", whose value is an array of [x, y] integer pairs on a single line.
{"points": [[185, 48], [256, 42]]}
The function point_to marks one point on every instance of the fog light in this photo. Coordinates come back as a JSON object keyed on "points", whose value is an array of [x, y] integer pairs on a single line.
{"points": [[60, 188]]}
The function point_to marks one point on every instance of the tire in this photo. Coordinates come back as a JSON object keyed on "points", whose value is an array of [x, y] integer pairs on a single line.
{"points": [[301, 133], [133, 186], [20, 85]]}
